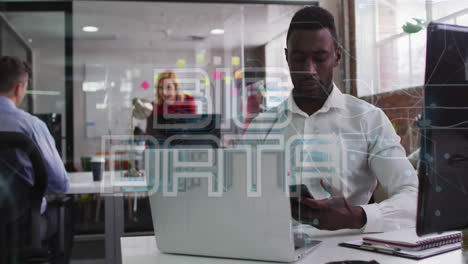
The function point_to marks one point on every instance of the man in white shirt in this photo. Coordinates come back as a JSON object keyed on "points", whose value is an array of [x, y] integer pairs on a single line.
{"points": [[365, 147]]}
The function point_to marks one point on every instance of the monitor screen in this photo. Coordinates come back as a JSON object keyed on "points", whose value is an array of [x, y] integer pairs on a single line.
{"points": [[443, 181], [173, 130]]}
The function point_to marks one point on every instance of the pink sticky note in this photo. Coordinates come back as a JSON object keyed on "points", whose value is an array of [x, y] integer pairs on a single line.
{"points": [[145, 85], [217, 75]]}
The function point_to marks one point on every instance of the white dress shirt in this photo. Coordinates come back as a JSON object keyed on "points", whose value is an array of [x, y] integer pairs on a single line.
{"points": [[351, 144]]}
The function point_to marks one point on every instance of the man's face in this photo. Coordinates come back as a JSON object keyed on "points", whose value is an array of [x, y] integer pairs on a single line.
{"points": [[312, 56]]}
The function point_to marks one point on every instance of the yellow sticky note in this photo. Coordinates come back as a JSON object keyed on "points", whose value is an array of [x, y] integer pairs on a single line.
{"points": [[235, 60], [238, 75], [156, 78], [227, 79], [206, 81], [200, 57], [136, 73], [181, 63]]}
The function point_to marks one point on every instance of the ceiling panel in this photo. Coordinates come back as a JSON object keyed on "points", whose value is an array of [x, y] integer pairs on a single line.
{"points": [[161, 25]]}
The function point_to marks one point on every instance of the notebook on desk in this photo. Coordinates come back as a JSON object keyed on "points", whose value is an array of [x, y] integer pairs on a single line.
{"points": [[407, 239], [406, 243]]}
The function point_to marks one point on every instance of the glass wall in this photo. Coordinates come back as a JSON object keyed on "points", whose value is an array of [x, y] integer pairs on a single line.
{"points": [[14, 44], [217, 52], [135, 42], [228, 57], [40, 39]]}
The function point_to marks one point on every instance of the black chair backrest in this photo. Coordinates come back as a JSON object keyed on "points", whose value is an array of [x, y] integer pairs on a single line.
{"points": [[10, 209], [19, 141]]}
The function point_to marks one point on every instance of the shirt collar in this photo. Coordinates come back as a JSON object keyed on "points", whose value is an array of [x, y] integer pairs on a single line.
{"points": [[6, 102], [334, 100]]}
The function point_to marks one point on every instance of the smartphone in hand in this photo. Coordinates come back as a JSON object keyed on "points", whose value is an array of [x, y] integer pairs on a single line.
{"points": [[296, 194], [299, 190]]}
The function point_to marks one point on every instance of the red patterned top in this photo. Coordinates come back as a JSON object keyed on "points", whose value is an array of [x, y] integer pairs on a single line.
{"points": [[187, 106]]}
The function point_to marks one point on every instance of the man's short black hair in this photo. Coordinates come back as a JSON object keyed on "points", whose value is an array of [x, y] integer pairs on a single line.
{"points": [[12, 70], [313, 17]]}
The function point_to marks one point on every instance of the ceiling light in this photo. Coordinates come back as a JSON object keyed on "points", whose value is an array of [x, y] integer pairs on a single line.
{"points": [[93, 86], [217, 31], [90, 29]]}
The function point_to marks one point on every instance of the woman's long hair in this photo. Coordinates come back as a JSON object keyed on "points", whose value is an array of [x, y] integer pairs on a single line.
{"points": [[160, 86]]}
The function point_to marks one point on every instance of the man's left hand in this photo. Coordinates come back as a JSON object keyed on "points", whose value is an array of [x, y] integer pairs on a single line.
{"points": [[329, 214]]}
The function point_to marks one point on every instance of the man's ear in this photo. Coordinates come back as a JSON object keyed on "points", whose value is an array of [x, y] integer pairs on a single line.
{"points": [[337, 57], [18, 90], [286, 54]]}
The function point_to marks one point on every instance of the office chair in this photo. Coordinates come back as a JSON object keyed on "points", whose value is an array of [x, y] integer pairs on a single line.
{"points": [[20, 208]]}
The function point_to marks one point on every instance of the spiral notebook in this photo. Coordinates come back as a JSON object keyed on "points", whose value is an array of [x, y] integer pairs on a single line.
{"points": [[407, 244], [407, 239]]}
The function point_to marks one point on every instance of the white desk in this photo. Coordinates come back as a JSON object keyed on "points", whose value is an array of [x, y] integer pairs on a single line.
{"points": [[143, 250], [111, 183], [111, 187]]}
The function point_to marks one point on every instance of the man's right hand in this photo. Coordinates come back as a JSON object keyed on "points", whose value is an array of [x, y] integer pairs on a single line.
{"points": [[329, 214]]}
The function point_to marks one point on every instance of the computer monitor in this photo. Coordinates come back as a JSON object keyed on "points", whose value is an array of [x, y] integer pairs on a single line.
{"points": [[53, 122], [443, 172], [172, 130]]}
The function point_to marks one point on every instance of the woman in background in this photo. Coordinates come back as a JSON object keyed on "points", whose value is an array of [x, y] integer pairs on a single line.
{"points": [[169, 100]]}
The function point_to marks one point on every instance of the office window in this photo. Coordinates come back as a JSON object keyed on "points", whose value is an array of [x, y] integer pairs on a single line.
{"points": [[388, 58]]}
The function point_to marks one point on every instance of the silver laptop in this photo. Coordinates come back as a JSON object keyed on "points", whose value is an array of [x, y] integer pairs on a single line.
{"points": [[224, 203]]}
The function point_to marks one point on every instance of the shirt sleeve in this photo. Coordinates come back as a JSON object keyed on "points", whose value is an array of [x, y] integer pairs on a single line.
{"points": [[387, 161], [58, 181]]}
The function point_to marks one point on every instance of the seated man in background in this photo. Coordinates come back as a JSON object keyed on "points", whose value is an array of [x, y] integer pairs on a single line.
{"points": [[369, 149], [14, 75]]}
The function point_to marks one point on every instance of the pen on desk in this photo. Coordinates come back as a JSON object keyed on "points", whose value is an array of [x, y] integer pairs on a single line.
{"points": [[382, 250], [380, 246]]}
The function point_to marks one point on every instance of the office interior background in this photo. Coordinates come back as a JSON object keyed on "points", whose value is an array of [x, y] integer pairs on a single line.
{"points": [[91, 58]]}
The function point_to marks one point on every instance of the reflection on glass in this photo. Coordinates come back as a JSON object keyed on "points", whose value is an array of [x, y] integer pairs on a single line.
{"points": [[229, 58]]}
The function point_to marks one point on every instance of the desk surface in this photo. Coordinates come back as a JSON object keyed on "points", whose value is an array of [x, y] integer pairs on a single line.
{"points": [[112, 182], [143, 250]]}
